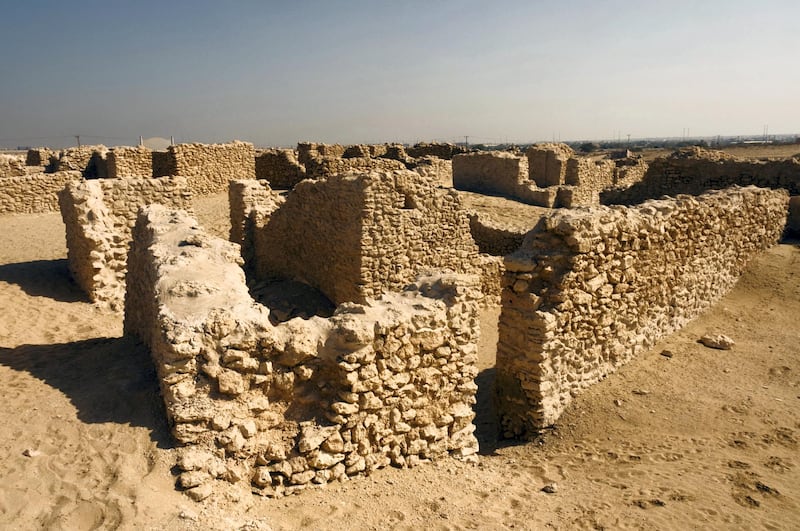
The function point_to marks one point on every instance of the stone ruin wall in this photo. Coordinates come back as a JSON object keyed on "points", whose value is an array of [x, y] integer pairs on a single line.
{"points": [[89, 160], [40, 156], [34, 193], [493, 237], [210, 167], [11, 166], [440, 170], [99, 216], [500, 173], [126, 161], [279, 167], [547, 163], [280, 408], [590, 289], [696, 170], [793, 221], [444, 151], [251, 204], [354, 236]]}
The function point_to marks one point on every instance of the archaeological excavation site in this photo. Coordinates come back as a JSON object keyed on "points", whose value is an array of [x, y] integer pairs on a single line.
{"points": [[333, 321]]}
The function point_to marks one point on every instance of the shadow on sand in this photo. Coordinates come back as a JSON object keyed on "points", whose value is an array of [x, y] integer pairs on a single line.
{"points": [[44, 278], [106, 379]]}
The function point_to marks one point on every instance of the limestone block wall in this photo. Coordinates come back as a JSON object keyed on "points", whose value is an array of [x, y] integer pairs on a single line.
{"points": [[34, 193], [210, 167], [126, 161], [494, 172], [89, 160], [354, 236], [251, 203], [39, 156], [99, 216], [11, 166], [591, 288], [435, 149], [279, 167], [357, 151], [331, 166], [307, 151], [500, 173], [280, 408], [696, 170], [629, 171], [590, 174], [547, 163], [440, 170], [493, 237]]}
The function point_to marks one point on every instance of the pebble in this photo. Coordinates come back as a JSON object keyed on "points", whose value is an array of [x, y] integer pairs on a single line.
{"points": [[30, 452], [550, 488]]}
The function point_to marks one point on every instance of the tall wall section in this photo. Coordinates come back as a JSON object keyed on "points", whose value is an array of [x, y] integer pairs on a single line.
{"points": [[126, 161], [34, 193], [696, 170], [98, 216], [280, 408], [279, 167], [210, 167], [589, 289], [355, 236]]}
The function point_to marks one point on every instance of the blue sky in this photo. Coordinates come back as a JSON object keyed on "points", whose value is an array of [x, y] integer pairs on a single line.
{"points": [[274, 73]]}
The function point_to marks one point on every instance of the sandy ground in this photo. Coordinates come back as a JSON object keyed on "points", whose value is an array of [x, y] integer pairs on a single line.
{"points": [[701, 439]]}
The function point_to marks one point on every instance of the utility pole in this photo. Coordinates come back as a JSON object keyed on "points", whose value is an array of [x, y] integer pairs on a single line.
{"points": [[629, 140], [466, 141], [78, 138], [141, 140]]}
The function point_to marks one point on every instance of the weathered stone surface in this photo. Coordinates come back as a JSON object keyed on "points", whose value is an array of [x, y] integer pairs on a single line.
{"points": [[604, 284], [718, 341], [354, 401]]}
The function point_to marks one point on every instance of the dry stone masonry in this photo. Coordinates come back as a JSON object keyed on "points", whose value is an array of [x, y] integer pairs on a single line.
{"points": [[279, 167], [591, 288], [355, 236], [89, 160], [210, 167], [281, 408], [695, 170], [99, 216], [34, 193], [125, 161], [11, 166]]}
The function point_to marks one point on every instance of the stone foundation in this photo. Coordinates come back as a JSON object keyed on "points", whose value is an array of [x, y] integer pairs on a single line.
{"points": [[590, 289], [98, 216], [308, 401]]}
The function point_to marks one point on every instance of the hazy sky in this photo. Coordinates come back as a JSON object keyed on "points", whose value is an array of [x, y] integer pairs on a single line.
{"points": [[274, 73]]}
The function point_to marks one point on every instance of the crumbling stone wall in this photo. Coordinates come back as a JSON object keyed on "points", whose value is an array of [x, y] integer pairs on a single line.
{"points": [[251, 203], [126, 161], [793, 221], [308, 401], [89, 160], [279, 167], [308, 151], [696, 170], [11, 166], [209, 168], [98, 216], [440, 170], [493, 237], [435, 149], [499, 173], [589, 289], [40, 156], [331, 166], [35, 193], [547, 163], [354, 236]]}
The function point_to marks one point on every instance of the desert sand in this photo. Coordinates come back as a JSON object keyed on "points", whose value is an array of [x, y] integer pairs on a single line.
{"points": [[683, 437]]}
